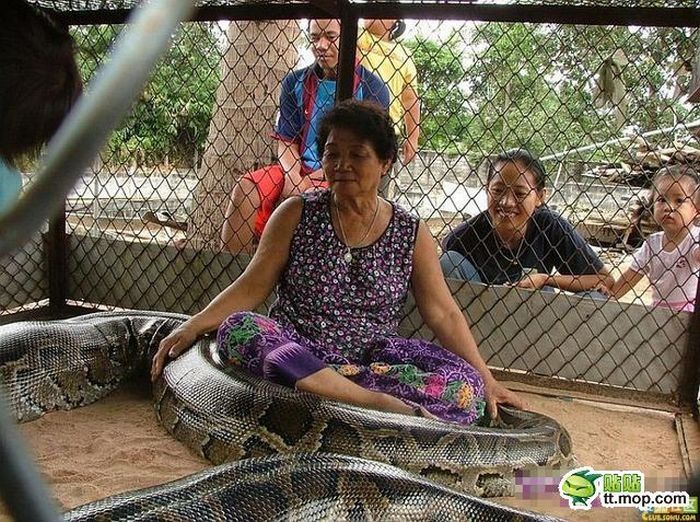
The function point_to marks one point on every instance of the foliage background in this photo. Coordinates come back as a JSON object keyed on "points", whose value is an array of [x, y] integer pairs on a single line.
{"points": [[484, 87], [170, 121], [487, 86]]}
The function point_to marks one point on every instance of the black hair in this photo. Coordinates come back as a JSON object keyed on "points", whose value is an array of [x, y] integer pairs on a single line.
{"points": [[366, 119], [678, 172], [39, 79], [526, 159]]}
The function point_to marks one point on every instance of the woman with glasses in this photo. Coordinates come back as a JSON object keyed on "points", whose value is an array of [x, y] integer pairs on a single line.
{"points": [[518, 240]]}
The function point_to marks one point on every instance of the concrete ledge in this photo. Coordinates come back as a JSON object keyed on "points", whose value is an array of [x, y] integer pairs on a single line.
{"points": [[537, 333]]}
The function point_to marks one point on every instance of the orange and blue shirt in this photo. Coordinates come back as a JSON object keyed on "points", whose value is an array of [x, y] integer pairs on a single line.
{"points": [[306, 96]]}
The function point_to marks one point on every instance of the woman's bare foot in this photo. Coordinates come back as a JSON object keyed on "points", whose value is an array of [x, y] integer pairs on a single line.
{"points": [[328, 383], [390, 403], [425, 413]]}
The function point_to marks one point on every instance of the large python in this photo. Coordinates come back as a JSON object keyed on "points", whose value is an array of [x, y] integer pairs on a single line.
{"points": [[227, 415]]}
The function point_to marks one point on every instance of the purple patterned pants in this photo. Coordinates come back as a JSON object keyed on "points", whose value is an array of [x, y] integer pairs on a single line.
{"points": [[415, 371]]}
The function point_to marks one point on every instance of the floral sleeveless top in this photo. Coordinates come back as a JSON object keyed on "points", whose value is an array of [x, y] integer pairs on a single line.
{"points": [[344, 307]]}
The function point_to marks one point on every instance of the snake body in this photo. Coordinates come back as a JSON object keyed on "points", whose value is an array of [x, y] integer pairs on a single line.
{"points": [[227, 415]]}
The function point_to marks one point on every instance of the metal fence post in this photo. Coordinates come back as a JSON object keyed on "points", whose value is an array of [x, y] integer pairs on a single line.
{"points": [[690, 380], [56, 258], [348, 46]]}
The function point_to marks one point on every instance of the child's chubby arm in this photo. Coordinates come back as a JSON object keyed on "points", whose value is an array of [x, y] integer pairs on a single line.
{"points": [[622, 284], [695, 254]]}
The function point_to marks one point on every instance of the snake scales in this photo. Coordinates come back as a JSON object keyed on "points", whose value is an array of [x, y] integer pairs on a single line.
{"points": [[226, 415]]}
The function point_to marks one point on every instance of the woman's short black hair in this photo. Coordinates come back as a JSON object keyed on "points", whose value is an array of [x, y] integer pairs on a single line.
{"points": [[365, 119], [39, 79], [526, 159]]}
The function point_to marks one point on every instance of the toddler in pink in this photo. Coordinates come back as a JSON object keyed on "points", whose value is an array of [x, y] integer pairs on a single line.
{"points": [[670, 259]]}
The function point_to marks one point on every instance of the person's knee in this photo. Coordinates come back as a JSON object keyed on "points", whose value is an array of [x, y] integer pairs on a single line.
{"points": [[233, 324], [245, 195], [246, 317], [239, 337], [239, 222], [238, 317], [450, 260], [455, 265]]}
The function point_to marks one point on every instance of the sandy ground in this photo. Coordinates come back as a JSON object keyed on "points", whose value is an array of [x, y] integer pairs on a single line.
{"points": [[116, 445]]}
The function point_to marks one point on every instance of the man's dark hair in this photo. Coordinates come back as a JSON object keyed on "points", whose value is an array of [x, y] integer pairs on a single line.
{"points": [[367, 120], [525, 159], [39, 79]]}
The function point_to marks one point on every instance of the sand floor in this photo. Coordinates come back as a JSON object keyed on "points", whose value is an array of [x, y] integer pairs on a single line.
{"points": [[116, 445]]}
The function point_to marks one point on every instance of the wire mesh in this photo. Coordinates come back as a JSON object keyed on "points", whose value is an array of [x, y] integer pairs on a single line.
{"points": [[80, 5], [605, 108], [23, 277]]}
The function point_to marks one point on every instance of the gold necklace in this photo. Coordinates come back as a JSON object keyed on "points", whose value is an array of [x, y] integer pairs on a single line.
{"points": [[512, 259], [348, 255]]}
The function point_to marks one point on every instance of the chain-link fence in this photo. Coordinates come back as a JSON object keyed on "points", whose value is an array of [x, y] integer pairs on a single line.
{"points": [[169, 214]]}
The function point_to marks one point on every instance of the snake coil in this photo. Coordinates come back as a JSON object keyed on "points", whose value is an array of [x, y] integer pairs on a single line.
{"points": [[300, 455]]}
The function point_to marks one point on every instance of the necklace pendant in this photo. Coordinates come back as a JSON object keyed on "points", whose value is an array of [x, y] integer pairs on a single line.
{"points": [[348, 257]]}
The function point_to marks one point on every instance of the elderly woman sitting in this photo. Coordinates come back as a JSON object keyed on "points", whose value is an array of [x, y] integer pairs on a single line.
{"points": [[342, 260], [518, 240]]}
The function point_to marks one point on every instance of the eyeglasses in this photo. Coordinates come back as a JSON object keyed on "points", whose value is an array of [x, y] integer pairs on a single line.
{"points": [[314, 38], [498, 193], [671, 203]]}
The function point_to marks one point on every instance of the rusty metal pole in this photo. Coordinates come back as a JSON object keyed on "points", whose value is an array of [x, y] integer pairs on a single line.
{"points": [[56, 258], [690, 378], [348, 47]]}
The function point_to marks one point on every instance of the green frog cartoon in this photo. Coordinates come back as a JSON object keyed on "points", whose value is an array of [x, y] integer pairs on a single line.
{"points": [[579, 487]]}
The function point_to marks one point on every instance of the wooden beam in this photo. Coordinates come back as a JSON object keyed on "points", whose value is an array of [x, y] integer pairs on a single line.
{"points": [[331, 7], [552, 14]]}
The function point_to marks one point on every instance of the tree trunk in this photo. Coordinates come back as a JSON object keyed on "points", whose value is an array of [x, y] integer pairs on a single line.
{"points": [[258, 57]]}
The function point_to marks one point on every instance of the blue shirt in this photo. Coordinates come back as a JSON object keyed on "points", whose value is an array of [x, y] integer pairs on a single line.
{"points": [[10, 185], [306, 97], [322, 103]]}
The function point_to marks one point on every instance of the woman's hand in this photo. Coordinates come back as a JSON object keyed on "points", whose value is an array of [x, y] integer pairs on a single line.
{"points": [[294, 187], [603, 289], [533, 281], [495, 394], [173, 345]]}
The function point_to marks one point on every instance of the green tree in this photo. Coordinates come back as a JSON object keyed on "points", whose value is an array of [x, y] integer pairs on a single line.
{"points": [[440, 72], [499, 85], [170, 120]]}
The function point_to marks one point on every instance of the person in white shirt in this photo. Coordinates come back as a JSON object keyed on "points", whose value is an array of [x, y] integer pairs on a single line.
{"points": [[671, 258]]}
